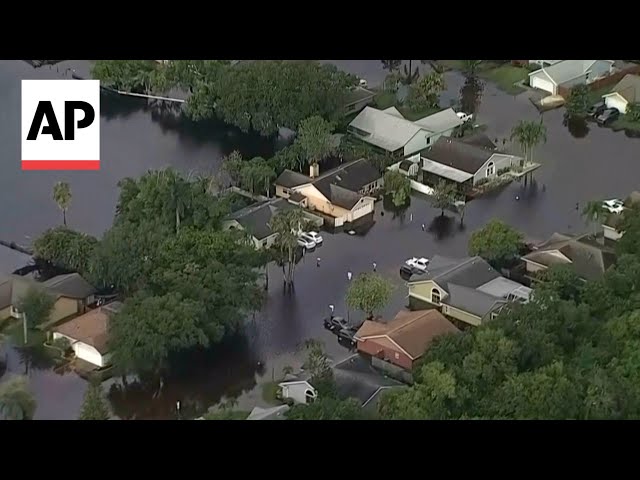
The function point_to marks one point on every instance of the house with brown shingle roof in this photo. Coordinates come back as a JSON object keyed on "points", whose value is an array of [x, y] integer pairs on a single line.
{"points": [[625, 93], [88, 334], [403, 340]]}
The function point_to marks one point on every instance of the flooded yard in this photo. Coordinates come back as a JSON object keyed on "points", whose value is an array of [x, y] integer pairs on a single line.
{"points": [[600, 164]]}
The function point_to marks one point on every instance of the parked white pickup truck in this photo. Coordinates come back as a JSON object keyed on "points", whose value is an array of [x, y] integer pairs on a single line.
{"points": [[417, 263], [463, 116]]}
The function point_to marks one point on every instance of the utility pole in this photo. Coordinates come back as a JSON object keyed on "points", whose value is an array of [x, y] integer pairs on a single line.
{"points": [[24, 326]]}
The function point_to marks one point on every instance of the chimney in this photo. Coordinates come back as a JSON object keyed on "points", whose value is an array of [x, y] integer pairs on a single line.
{"points": [[314, 170]]}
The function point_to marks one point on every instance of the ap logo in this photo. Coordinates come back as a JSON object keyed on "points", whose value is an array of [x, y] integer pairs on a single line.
{"points": [[60, 124]]}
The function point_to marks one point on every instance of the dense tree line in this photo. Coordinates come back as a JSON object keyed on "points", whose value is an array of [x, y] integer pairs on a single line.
{"points": [[262, 96], [570, 353]]}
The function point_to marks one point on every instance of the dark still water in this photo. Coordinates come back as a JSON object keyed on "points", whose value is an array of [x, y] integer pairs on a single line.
{"points": [[134, 139]]}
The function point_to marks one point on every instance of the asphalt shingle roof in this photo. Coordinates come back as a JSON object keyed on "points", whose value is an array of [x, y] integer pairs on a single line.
{"points": [[629, 88], [456, 154], [353, 176], [71, 285], [255, 218], [336, 194], [469, 272], [290, 179]]}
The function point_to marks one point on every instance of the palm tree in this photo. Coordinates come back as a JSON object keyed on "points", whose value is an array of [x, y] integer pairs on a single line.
{"points": [[287, 224], [16, 401], [470, 66], [595, 213], [62, 196], [529, 135], [443, 196]]}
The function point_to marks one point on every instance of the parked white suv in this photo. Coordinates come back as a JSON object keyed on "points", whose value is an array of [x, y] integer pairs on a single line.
{"points": [[463, 116], [315, 236], [307, 242], [417, 263]]}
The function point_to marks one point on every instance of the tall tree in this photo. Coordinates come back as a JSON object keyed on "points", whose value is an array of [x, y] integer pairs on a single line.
{"points": [[425, 93], [16, 400], [315, 140], [65, 248], [287, 225], [470, 66], [136, 76], [62, 197], [444, 195], [232, 166], [496, 242], [529, 135], [319, 367], [398, 186], [94, 406], [369, 292], [37, 305], [578, 102], [595, 213]]}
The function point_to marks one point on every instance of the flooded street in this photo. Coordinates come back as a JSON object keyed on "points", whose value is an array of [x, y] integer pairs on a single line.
{"points": [[601, 164]]}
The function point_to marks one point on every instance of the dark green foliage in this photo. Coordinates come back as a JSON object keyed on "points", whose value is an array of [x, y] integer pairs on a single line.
{"points": [[66, 249]]}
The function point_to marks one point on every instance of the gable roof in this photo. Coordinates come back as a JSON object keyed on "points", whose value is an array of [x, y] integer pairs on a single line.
{"points": [[71, 285], [290, 179], [628, 88], [14, 287], [412, 332], [90, 328], [469, 272], [588, 259], [566, 70], [255, 219], [471, 300], [456, 154], [356, 378], [336, 194], [382, 129], [479, 140], [440, 121], [357, 94], [354, 175]]}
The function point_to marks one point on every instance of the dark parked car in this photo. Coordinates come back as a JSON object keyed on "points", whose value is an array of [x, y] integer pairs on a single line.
{"points": [[597, 109], [346, 338], [608, 116], [334, 323]]}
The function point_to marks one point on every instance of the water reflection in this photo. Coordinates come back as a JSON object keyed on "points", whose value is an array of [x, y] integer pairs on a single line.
{"points": [[577, 126], [398, 212], [442, 226], [197, 380], [471, 94]]}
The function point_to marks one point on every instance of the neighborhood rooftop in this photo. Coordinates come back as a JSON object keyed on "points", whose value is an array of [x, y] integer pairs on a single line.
{"points": [[628, 88], [71, 285], [456, 154], [255, 218], [566, 70], [90, 328]]}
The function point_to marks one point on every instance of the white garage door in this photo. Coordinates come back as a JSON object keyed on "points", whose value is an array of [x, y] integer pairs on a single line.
{"points": [[87, 353], [617, 103], [543, 84]]}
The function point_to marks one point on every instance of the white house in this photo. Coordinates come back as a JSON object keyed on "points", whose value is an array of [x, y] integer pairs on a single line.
{"points": [[300, 391], [88, 334], [544, 63], [626, 92], [390, 131], [568, 73]]}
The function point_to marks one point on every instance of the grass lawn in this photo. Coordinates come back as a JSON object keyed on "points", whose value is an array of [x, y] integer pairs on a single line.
{"points": [[269, 391], [227, 415], [626, 124], [505, 76]]}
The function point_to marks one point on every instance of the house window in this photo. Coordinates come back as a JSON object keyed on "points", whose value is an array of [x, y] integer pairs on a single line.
{"points": [[435, 296], [428, 140], [397, 355], [491, 169]]}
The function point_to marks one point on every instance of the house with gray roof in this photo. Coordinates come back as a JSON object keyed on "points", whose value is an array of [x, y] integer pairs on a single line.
{"points": [[389, 131], [343, 194], [625, 93], [588, 258], [569, 73], [356, 99], [466, 162], [255, 220], [466, 289]]}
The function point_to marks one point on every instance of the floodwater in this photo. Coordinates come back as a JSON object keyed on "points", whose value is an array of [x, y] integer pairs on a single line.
{"points": [[600, 164]]}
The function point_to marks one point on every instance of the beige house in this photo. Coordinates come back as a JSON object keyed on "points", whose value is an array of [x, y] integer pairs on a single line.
{"points": [[467, 289], [625, 93], [13, 288], [588, 258], [342, 194]]}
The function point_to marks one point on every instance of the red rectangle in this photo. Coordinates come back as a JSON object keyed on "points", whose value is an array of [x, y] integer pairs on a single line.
{"points": [[60, 164]]}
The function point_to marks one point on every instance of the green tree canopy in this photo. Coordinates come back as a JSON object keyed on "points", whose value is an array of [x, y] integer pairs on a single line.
{"points": [[529, 135], [328, 409], [66, 249], [315, 139], [369, 292], [62, 197], [578, 102], [425, 93], [37, 305], [94, 405], [444, 195], [398, 186], [137, 76], [287, 225], [16, 400], [633, 112], [496, 242]]}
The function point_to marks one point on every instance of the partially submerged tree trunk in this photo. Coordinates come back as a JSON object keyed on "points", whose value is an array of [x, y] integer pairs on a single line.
{"points": [[64, 217]]}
